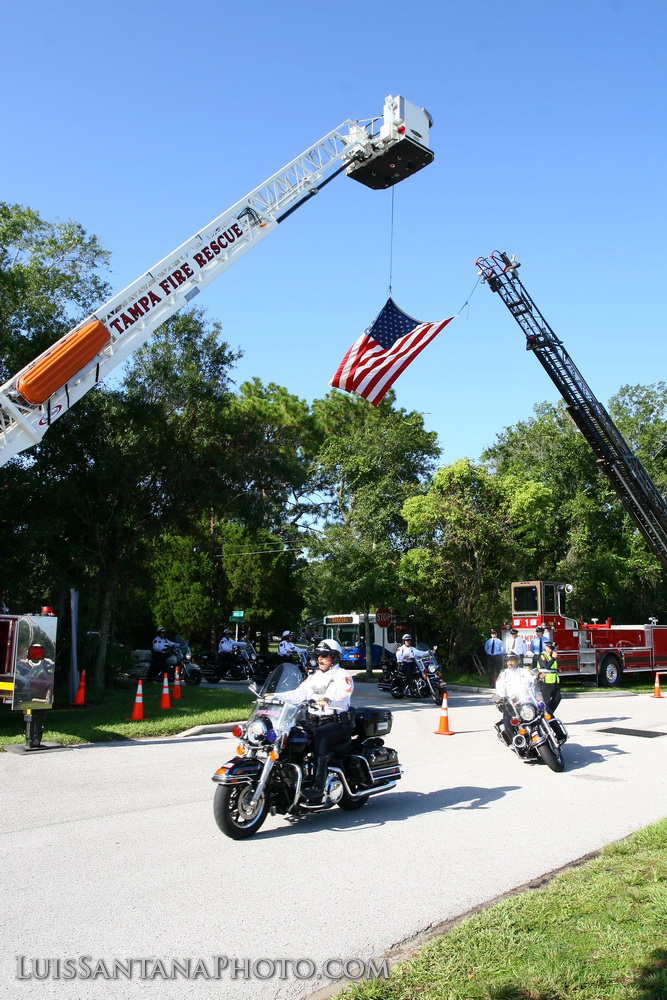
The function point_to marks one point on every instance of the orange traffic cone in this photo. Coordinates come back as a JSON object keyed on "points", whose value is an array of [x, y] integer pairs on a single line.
{"points": [[656, 688], [138, 709], [165, 700], [443, 728], [176, 693], [81, 692]]}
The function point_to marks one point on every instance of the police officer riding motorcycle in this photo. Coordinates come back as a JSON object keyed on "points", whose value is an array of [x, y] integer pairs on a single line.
{"points": [[327, 692], [304, 749]]}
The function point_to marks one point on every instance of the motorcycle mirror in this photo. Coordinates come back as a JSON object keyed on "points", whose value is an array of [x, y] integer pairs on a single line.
{"points": [[434, 648], [253, 687]]}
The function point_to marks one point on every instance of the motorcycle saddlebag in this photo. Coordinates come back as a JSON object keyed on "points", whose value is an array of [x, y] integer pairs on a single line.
{"points": [[379, 757], [383, 762], [372, 722]]}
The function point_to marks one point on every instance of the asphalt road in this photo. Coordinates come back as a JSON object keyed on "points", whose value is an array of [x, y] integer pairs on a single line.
{"points": [[111, 851]]}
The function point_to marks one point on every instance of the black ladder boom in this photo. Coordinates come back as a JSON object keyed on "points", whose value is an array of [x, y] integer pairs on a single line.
{"points": [[632, 483]]}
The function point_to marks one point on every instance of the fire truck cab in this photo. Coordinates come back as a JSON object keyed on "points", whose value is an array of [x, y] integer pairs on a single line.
{"points": [[27, 659], [601, 650]]}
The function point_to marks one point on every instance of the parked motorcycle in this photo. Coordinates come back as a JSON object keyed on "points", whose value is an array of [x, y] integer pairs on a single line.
{"points": [[304, 658], [188, 670], [178, 656], [533, 733], [425, 682], [275, 757], [239, 666]]}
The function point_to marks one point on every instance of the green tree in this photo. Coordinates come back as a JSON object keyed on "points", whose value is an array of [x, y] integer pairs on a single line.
{"points": [[52, 274], [462, 533], [586, 539], [51, 277], [271, 443], [371, 460]]}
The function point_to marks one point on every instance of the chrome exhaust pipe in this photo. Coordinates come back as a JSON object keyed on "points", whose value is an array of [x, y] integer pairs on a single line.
{"points": [[366, 791]]}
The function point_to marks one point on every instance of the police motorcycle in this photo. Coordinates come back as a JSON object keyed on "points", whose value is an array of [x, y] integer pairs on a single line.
{"points": [[274, 760], [305, 659], [188, 670], [425, 681], [177, 656], [533, 733], [238, 666]]}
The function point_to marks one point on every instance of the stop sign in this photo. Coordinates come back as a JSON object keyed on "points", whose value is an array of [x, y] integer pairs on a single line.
{"points": [[383, 617]]}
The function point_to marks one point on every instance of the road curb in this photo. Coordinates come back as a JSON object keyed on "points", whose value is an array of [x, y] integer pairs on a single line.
{"points": [[215, 727]]}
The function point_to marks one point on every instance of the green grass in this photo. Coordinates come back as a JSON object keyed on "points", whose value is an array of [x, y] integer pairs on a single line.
{"points": [[107, 713], [594, 933]]}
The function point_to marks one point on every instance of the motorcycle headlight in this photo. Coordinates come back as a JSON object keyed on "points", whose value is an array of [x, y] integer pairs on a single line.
{"points": [[527, 713], [256, 733]]}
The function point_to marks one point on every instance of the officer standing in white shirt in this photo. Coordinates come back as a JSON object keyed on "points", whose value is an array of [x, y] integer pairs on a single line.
{"points": [[514, 643]]}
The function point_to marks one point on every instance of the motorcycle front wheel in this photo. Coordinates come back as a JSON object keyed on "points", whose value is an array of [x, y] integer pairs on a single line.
{"points": [[552, 757], [233, 812], [193, 679]]}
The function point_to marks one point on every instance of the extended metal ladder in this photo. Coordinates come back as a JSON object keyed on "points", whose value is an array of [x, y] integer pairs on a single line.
{"points": [[632, 483]]}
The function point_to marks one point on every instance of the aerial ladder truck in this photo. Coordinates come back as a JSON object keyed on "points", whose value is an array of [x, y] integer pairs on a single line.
{"points": [[596, 648], [378, 152]]}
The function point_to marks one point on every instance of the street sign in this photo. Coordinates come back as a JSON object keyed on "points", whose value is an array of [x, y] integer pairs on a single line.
{"points": [[237, 616], [383, 617]]}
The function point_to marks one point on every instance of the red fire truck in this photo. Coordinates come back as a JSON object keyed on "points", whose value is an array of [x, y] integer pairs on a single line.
{"points": [[586, 649]]}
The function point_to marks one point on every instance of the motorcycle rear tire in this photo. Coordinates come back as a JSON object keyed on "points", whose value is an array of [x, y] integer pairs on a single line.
{"points": [[552, 758], [226, 804]]}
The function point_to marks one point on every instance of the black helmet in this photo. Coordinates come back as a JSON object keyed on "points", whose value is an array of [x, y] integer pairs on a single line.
{"points": [[162, 631], [329, 647], [227, 631]]}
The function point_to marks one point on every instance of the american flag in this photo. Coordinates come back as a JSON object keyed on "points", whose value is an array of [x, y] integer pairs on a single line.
{"points": [[377, 358]]}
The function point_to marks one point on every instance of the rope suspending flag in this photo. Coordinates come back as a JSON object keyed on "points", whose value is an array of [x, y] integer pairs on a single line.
{"points": [[377, 358]]}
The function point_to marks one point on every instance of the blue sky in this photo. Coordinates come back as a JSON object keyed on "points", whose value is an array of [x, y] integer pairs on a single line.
{"points": [[144, 121]]}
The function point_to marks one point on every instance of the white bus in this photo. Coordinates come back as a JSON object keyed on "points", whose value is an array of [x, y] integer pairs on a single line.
{"points": [[348, 630]]}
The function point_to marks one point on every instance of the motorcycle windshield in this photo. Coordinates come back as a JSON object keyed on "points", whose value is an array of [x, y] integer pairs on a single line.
{"points": [[521, 689], [185, 649], [285, 677]]}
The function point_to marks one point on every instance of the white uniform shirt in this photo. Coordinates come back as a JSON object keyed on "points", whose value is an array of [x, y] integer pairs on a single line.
{"points": [[160, 644], [334, 684], [513, 682], [407, 653], [515, 644], [286, 648], [227, 645]]}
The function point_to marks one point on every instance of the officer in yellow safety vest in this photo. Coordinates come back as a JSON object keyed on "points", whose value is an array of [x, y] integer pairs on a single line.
{"points": [[546, 673]]}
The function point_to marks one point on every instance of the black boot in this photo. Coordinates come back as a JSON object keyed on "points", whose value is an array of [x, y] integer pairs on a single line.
{"points": [[314, 790]]}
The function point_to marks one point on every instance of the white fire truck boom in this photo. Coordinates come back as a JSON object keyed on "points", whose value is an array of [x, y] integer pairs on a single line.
{"points": [[632, 483], [378, 152]]}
